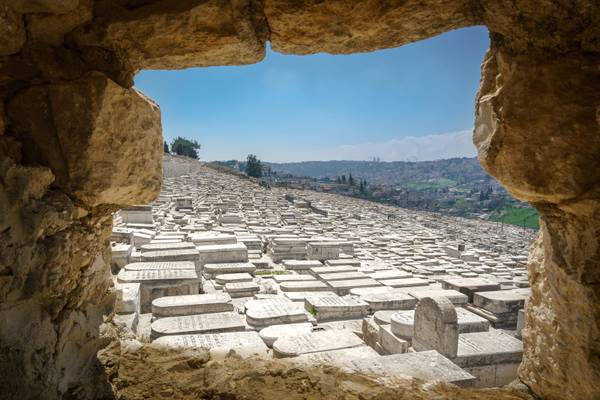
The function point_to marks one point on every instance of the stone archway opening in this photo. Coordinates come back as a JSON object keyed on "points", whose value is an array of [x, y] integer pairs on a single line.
{"points": [[73, 130], [223, 218]]}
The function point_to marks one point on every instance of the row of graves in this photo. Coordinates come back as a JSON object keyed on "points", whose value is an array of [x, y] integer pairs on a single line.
{"points": [[220, 263]]}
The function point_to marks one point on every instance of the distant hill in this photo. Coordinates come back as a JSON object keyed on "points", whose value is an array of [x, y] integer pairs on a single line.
{"points": [[458, 170]]}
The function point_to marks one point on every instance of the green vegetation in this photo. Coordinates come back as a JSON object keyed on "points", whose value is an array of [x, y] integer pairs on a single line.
{"points": [[312, 311], [185, 147], [166, 147], [525, 217], [254, 167], [363, 186]]}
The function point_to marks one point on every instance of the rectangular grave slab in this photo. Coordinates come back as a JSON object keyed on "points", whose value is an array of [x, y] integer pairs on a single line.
{"points": [[169, 236], [294, 277], [222, 253], [371, 290], [335, 308], [160, 283], [271, 333], [142, 266], [246, 344], [352, 325], [322, 251], [207, 240], [199, 323], [469, 286], [425, 365], [263, 314], [487, 348], [345, 262], [301, 265], [405, 282], [230, 278], [172, 306], [167, 246], [500, 302], [455, 297], [260, 302], [241, 289], [211, 270], [304, 286], [342, 288], [387, 275], [301, 296], [391, 300], [341, 276], [314, 342], [171, 255], [333, 270], [335, 357]]}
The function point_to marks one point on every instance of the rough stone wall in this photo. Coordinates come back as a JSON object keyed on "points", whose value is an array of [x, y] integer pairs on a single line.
{"points": [[538, 132], [76, 142], [74, 146]]}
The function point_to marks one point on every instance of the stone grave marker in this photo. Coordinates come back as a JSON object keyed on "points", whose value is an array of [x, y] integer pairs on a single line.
{"points": [[314, 342], [325, 308], [436, 326], [172, 306], [198, 323], [246, 344]]}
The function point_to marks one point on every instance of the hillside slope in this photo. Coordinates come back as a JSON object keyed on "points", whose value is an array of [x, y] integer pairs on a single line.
{"points": [[459, 170]]}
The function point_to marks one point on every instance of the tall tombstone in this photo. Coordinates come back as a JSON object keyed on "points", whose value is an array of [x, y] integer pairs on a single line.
{"points": [[436, 326]]}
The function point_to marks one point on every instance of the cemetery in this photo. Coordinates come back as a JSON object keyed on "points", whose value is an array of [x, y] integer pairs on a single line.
{"points": [[227, 265], [78, 143]]}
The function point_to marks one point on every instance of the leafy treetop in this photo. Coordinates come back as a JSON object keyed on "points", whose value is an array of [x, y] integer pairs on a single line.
{"points": [[185, 147], [254, 167]]}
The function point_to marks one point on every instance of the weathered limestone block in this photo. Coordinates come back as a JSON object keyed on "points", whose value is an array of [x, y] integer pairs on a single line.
{"points": [[103, 142], [537, 127], [553, 26], [562, 315], [350, 26], [54, 288], [181, 34], [12, 30], [51, 28]]}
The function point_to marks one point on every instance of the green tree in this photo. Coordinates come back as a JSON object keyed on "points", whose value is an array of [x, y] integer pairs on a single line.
{"points": [[254, 167], [166, 147], [350, 180], [185, 147], [344, 179], [363, 186]]}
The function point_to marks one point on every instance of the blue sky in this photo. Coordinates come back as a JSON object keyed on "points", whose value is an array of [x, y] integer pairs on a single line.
{"points": [[414, 102]]}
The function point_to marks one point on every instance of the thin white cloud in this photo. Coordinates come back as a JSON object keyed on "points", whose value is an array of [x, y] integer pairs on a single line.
{"points": [[408, 148]]}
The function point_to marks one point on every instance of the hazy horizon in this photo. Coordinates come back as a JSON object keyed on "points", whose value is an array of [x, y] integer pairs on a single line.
{"points": [[340, 160]]}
